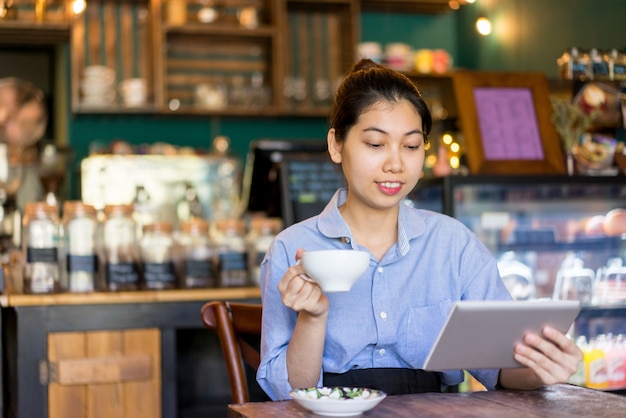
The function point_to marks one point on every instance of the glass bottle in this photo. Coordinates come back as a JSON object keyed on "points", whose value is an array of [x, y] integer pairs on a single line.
{"points": [[258, 241], [580, 68], [144, 211], [40, 228], [79, 228], [157, 256], [189, 206], [599, 64], [121, 255], [617, 65], [197, 260], [232, 255]]}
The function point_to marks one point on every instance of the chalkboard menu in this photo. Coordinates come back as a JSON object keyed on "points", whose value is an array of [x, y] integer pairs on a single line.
{"points": [[308, 181]]}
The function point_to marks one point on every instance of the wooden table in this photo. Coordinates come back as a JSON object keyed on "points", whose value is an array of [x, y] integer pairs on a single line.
{"points": [[555, 401]]}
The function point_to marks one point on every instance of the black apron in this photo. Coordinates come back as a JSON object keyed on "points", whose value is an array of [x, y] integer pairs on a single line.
{"points": [[392, 381]]}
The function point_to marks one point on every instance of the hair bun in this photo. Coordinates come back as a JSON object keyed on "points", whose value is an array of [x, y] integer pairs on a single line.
{"points": [[365, 64]]}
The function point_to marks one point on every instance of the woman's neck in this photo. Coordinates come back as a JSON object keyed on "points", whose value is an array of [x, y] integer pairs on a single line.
{"points": [[376, 230]]}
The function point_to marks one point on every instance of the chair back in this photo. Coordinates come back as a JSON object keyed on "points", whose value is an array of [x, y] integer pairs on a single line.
{"points": [[237, 324]]}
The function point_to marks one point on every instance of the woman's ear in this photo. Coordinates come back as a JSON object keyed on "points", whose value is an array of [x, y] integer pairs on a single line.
{"points": [[334, 147]]}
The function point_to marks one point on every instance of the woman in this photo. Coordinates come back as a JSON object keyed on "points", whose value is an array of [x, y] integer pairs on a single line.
{"points": [[378, 334]]}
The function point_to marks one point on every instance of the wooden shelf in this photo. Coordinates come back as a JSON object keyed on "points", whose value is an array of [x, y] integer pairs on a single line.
{"points": [[14, 32], [140, 296], [407, 6], [310, 41], [220, 30]]}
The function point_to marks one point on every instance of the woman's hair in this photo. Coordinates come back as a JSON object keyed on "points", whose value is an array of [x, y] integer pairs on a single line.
{"points": [[368, 84]]}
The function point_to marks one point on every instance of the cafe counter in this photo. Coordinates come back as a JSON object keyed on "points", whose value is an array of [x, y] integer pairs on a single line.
{"points": [[108, 352]]}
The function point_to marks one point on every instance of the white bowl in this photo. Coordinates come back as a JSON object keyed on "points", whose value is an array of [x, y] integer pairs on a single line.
{"points": [[338, 402], [335, 270]]}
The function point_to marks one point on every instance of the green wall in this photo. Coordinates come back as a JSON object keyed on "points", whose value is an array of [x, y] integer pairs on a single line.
{"points": [[528, 35]]}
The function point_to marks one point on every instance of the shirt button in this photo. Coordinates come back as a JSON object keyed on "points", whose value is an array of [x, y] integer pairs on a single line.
{"points": [[380, 269], [381, 351], [383, 315]]}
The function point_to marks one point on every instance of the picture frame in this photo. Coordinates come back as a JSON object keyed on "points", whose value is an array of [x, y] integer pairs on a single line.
{"points": [[505, 120]]}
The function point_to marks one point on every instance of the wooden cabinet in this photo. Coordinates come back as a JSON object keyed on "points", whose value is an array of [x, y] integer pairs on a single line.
{"points": [[232, 57], [111, 354]]}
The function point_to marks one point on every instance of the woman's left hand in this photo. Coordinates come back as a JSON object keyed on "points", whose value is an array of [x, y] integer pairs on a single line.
{"points": [[552, 356]]}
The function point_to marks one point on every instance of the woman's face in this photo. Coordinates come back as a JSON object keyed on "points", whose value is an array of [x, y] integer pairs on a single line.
{"points": [[382, 156]]}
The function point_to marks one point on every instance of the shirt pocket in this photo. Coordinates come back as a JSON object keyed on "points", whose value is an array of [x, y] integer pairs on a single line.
{"points": [[423, 326]]}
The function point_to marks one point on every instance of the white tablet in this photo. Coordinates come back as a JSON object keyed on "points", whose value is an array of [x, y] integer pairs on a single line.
{"points": [[483, 334]]}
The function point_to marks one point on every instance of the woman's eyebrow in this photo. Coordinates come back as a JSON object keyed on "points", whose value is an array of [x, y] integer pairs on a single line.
{"points": [[382, 131]]}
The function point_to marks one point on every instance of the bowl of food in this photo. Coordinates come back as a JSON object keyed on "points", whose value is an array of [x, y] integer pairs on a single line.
{"points": [[338, 401], [335, 270]]}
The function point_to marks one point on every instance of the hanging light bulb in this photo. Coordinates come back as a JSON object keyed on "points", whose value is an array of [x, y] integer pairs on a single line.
{"points": [[483, 25], [78, 6]]}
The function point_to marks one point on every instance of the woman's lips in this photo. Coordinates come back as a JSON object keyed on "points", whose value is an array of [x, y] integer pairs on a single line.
{"points": [[389, 187]]}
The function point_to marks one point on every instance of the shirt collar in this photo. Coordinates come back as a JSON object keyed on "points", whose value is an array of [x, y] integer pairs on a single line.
{"points": [[332, 225]]}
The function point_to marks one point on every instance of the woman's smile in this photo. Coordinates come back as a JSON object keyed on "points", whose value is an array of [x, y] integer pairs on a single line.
{"points": [[390, 187]]}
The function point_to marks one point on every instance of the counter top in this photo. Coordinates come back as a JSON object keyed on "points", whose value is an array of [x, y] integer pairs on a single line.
{"points": [[554, 401], [140, 296]]}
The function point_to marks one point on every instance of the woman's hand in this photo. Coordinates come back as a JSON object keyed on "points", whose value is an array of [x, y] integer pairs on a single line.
{"points": [[550, 358], [301, 294]]}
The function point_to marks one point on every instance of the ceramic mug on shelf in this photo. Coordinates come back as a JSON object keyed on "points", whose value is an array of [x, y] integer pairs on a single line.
{"points": [[134, 91]]}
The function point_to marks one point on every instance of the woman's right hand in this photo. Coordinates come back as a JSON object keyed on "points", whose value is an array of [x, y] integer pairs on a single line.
{"points": [[300, 294]]}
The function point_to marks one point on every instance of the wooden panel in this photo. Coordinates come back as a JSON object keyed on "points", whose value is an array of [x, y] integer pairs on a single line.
{"points": [[143, 397], [133, 356], [103, 369], [320, 39], [66, 401], [104, 400]]}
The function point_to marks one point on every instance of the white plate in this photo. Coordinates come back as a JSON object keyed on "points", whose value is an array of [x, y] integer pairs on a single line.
{"points": [[338, 402]]}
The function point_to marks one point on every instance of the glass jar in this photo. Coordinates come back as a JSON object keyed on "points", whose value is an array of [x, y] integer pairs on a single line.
{"points": [[157, 256], [232, 255], [121, 255], [40, 233], [79, 261], [197, 259], [258, 241]]}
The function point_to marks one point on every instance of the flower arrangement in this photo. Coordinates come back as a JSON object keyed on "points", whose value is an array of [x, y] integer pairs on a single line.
{"points": [[571, 121]]}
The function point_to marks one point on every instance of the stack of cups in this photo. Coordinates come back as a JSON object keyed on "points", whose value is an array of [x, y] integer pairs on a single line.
{"points": [[98, 85]]}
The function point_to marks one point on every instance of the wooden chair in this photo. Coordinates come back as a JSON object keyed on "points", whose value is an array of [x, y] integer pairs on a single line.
{"points": [[238, 326]]}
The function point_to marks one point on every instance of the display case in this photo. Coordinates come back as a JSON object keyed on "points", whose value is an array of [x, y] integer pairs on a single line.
{"points": [[553, 236]]}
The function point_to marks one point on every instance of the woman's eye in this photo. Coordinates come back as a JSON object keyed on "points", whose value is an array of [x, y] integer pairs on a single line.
{"points": [[374, 145]]}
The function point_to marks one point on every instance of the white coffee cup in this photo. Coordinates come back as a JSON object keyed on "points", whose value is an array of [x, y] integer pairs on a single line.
{"points": [[134, 91], [335, 270]]}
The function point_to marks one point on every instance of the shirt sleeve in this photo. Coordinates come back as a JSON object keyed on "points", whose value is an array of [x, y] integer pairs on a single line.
{"points": [[277, 326]]}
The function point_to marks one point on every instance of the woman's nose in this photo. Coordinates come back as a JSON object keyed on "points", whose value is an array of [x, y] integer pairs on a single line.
{"points": [[393, 162]]}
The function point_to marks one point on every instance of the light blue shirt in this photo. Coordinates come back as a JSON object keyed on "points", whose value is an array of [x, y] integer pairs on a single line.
{"points": [[392, 315]]}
